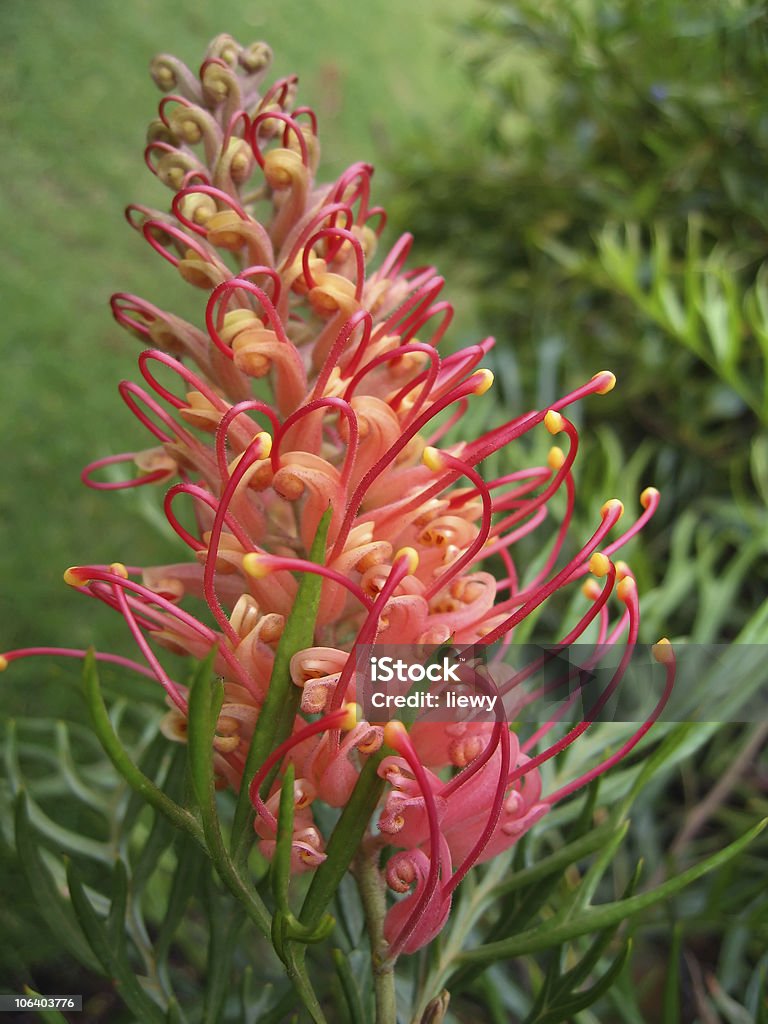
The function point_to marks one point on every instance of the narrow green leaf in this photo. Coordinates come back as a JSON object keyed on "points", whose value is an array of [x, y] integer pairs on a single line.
{"points": [[714, 313], [68, 769], [557, 862], [58, 836], [545, 994], [671, 309], [174, 1014], [223, 929], [122, 760], [297, 972], [566, 1010], [349, 912], [692, 283], [537, 883], [596, 918], [56, 912], [205, 700], [190, 860], [279, 1012], [278, 712], [161, 836], [579, 973], [582, 896], [204, 704], [671, 1009], [51, 1016], [584, 824], [116, 966], [119, 902], [150, 762], [344, 842], [349, 988], [281, 862]]}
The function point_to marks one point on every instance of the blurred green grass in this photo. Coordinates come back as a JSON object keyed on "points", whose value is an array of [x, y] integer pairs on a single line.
{"points": [[77, 99]]}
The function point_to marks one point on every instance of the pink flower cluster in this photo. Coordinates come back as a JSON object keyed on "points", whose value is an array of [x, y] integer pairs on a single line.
{"points": [[316, 378]]}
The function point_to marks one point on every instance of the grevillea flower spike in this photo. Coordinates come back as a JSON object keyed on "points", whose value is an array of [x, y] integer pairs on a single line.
{"points": [[315, 380]]}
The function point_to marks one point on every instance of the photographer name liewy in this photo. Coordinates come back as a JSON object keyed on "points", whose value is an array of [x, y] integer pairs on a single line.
{"points": [[388, 670]]}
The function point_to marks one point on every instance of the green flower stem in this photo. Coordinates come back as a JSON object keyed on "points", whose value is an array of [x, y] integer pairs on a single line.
{"points": [[372, 896], [596, 918]]}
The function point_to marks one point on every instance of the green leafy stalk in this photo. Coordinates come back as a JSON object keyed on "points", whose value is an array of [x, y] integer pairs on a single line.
{"points": [[277, 715], [286, 930]]}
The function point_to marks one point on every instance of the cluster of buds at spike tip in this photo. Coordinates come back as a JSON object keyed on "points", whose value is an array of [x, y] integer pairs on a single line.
{"points": [[315, 377]]}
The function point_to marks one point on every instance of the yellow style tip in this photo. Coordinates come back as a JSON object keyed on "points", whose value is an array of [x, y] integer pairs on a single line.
{"points": [[609, 381], [3, 663], [599, 564], [663, 651], [553, 421], [412, 556], [72, 576], [556, 458], [432, 458], [613, 504], [255, 565], [119, 570], [393, 733], [353, 715], [265, 442], [484, 380], [649, 494], [626, 589]]}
